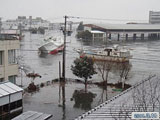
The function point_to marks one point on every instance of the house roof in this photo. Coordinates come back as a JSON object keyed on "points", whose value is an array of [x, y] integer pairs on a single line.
{"points": [[10, 32], [32, 115], [7, 88], [122, 105], [96, 31], [124, 26]]}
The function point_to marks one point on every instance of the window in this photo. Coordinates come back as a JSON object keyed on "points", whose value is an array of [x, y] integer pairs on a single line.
{"points": [[1, 57], [96, 35], [16, 104], [11, 56], [12, 79], [1, 110], [13, 105], [19, 103], [101, 35], [1, 79], [6, 108]]}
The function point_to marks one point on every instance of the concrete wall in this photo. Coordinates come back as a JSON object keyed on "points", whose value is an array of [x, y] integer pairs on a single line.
{"points": [[133, 35], [4, 100], [154, 17], [8, 69], [87, 28], [16, 96]]}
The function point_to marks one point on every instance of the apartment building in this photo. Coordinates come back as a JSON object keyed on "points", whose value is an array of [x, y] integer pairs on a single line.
{"points": [[25, 23], [9, 43], [154, 17]]}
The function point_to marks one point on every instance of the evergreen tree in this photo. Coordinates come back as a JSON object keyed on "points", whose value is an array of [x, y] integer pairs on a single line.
{"points": [[84, 35], [83, 68]]}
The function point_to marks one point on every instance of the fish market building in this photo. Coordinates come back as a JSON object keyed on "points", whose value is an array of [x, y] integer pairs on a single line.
{"points": [[126, 31]]}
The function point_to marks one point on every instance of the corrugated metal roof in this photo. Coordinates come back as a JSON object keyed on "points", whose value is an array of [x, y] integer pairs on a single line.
{"points": [[32, 115], [16, 88], [10, 32], [96, 31], [121, 105], [3, 92], [127, 26], [7, 88]]}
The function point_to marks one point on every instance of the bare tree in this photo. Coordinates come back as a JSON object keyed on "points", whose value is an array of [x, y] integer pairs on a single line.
{"points": [[145, 97], [104, 67], [124, 69], [121, 112]]}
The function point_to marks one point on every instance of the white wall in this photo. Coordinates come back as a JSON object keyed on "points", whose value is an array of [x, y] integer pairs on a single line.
{"points": [[13, 97], [4, 100], [16, 96], [8, 69], [87, 28]]}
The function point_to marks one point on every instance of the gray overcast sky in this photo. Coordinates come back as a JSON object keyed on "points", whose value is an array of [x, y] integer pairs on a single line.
{"points": [[107, 9]]}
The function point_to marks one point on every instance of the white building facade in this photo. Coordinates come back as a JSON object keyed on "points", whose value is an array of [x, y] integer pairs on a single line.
{"points": [[25, 23], [154, 17], [8, 65]]}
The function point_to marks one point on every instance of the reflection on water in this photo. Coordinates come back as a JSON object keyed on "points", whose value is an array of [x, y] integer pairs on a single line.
{"points": [[43, 55], [94, 43], [63, 102], [83, 99], [121, 70], [47, 65], [46, 100]]}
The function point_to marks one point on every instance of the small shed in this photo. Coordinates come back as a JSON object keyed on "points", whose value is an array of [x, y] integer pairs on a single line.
{"points": [[10, 98]]}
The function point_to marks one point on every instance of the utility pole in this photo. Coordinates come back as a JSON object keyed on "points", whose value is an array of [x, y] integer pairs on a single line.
{"points": [[21, 78], [0, 24], [63, 79], [64, 51], [22, 68]]}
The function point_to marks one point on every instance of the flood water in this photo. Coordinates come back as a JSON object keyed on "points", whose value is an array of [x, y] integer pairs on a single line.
{"points": [[145, 62]]}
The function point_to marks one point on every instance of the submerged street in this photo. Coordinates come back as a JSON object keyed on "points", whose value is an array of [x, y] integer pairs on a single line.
{"points": [[79, 60], [145, 62]]}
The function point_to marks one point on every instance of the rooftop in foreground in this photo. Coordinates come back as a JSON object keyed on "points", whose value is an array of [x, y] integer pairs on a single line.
{"points": [[130, 100], [8, 88], [32, 115]]}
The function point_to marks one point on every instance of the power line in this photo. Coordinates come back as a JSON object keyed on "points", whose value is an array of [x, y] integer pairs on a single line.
{"points": [[55, 18], [104, 19]]}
